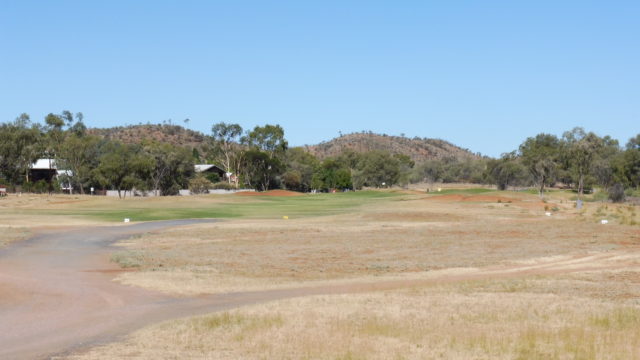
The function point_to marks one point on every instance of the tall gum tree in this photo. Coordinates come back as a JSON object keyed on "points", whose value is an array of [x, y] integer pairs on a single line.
{"points": [[226, 138], [581, 149], [540, 156]]}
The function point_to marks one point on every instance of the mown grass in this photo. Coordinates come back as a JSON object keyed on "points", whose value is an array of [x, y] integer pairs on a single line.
{"points": [[227, 206]]}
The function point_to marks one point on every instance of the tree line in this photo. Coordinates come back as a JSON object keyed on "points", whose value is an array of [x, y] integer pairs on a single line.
{"points": [[260, 158], [578, 159]]}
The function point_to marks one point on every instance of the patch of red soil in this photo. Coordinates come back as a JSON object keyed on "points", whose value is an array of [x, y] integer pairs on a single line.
{"points": [[270, 193], [446, 198], [489, 198]]}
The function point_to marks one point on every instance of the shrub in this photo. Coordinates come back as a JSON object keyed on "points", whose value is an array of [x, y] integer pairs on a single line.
{"points": [[223, 186], [616, 193], [39, 187], [213, 177], [200, 185]]}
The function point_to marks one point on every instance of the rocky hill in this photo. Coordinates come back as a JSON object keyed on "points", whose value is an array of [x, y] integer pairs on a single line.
{"points": [[419, 149], [167, 133]]}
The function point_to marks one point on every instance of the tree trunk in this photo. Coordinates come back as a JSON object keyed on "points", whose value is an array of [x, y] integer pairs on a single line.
{"points": [[542, 187], [580, 186]]}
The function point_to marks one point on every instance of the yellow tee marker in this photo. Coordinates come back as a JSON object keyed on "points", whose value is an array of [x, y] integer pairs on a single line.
{"points": [[285, 217]]}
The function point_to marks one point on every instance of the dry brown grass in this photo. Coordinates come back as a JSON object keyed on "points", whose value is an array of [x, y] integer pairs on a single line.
{"points": [[625, 214], [11, 234], [414, 236], [536, 318]]}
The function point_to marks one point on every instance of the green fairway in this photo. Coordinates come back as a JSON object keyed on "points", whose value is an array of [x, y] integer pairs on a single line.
{"points": [[227, 206]]}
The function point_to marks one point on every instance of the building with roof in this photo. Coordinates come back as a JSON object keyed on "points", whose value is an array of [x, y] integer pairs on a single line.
{"points": [[210, 168], [46, 169]]}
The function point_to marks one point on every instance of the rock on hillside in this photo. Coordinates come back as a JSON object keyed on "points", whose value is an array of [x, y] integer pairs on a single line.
{"points": [[419, 149]]}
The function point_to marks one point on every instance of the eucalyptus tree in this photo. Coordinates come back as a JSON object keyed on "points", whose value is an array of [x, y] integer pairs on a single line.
{"points": [[79, 154], [263, 161], [261, 171], [226, 140], [377, 169], [123, 167], [604, 164], [505, 171], [581, 149], [301, 166], [171, 167], [332, 174], [268, 138], [21, 144], [630, 167], [540, 156]]}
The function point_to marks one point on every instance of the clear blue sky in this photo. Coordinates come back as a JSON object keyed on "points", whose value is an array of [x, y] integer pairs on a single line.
{"points": [[482, 74]]}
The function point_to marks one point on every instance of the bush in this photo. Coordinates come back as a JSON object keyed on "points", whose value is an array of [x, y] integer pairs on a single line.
{"points": [[223, 186], [169, 189], [213, 177], [292, 179], [39, 187], [616, 193], [200, 185]]}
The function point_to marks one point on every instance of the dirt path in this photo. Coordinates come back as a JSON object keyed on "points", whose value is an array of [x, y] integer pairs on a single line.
{"points": [[56, 293]]}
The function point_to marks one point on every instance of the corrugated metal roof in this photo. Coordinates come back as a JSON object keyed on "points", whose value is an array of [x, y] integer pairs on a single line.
{"points": [[205, 167], [44, 164]]}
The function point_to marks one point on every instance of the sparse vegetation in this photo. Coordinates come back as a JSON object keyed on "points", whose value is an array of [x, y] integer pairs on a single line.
{"points": [[513, 319]]}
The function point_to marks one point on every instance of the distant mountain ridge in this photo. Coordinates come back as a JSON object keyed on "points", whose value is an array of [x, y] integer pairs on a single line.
{"points": [[419, 149]]}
